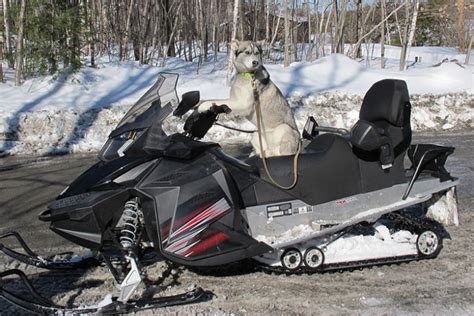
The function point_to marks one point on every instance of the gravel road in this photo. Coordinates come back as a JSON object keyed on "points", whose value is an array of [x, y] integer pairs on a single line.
{"points": [[444, 285]]}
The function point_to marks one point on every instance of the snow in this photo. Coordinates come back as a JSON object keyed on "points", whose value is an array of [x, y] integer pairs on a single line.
{"points": [[296, 232], [355, 247], [76, 112], [107, 300], [443, 208]]}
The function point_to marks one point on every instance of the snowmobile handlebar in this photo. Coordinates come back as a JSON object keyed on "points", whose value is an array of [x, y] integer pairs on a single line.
{"points": [[334, 130], [198, 123]]}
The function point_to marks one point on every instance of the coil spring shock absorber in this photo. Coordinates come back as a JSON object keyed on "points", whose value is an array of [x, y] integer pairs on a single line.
{"points": [[130, 221]]}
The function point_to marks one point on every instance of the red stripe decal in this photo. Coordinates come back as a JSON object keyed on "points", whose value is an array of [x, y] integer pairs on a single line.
{"points": [[208, 243]]}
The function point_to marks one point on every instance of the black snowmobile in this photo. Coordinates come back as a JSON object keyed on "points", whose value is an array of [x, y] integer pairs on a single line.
{"points": [[194, 205]]}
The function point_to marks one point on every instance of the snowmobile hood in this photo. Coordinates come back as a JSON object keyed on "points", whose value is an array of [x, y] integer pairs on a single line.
{"points": [[102, 174]]}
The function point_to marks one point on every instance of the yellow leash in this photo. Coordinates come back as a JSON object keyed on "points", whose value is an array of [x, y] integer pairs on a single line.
{"points": [[258, 112]]}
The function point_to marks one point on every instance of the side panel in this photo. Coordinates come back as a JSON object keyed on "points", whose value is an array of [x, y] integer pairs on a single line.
{"points": [[196, 214], [84, 219]]}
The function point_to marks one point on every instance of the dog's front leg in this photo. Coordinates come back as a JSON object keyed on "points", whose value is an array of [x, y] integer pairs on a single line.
{"points": [[206, 105], [238, 107]]}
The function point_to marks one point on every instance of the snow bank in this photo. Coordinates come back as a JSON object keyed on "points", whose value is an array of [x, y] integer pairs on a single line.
{"points": [[75, 113], [68, 130]]}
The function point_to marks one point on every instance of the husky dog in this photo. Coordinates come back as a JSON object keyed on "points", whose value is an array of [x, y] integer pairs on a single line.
{"points": [[280, 135]]}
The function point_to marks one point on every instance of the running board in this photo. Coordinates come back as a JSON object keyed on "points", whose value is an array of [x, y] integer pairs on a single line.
{"points": [[334, 216]]}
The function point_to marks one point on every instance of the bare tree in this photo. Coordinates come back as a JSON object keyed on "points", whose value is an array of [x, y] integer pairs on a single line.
{"points": [[309, 54], [19, 43], [287, 34], [404, 36], [91, 8], [335, 16], [468, 53], [230, 65], [357, 30], [460, 24], [331, 6], [275, 30], [340, 27], [267, 22], [127, 30], [375, 27], [316, 28], [382, 34], [1, 58], [7, 49], [412, 29], [320, 31]]}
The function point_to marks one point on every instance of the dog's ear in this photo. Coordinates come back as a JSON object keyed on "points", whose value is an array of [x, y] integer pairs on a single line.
{"points": [[234, 45]]}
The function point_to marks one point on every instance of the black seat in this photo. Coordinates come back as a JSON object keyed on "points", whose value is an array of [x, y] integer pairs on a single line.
{"points": [[327, 170], [383, 131]]}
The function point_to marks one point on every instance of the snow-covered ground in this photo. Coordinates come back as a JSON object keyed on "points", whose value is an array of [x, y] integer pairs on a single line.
{"points": [[75, 113]]}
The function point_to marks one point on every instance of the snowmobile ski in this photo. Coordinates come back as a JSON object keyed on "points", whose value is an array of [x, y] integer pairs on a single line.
{"points": [[33, 259], [40, 305]]}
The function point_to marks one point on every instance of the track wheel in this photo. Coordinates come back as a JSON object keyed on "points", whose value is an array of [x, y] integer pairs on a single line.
{"points": [[313, 258], [291, 259], [428, 243]]}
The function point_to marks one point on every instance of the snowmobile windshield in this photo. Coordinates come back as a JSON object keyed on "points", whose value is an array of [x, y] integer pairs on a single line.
{"points": [[162, 93], [150, 110]]}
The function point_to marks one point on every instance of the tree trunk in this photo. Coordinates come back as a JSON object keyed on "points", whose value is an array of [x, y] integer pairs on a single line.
{"points": [[203, 27], [340, 28], [287, 34], [320, 40], [241, 20], [8, 41], [215, 42], [411, 36], [382, 34], [357, 30], [316, 28], [127, 30], [1, 65], [230, 65], [404, 41], [267, 22], [92, 32], [461, 30], [171, 51], [19, 43], [173, 30], [329, 19], [309, 54], [275, 33], [294, 31], [334, 25], [376, 26], [468, 53]]}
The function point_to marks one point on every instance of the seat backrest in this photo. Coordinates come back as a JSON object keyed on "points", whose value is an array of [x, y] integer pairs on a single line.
{"points": [[383, 131], [387, 100]]}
